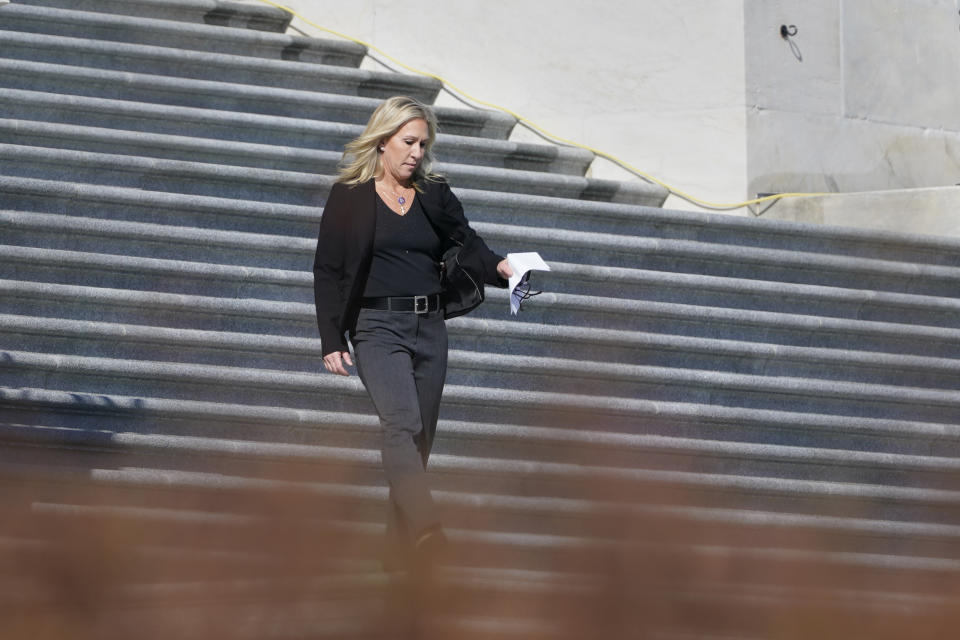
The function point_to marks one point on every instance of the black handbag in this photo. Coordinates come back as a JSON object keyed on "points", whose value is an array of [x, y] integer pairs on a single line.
{"points": [[462, 283]]}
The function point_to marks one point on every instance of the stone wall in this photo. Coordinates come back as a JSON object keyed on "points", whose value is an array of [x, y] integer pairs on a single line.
{"points": [[863, 98], [657, 83], [704, 94]]}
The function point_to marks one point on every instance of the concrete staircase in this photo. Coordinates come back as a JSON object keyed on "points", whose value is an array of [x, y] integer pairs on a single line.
{"points": [[702, 424]]}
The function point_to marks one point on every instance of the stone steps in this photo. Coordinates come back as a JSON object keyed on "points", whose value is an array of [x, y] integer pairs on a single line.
{"points": [[206, 245], [711, 228], [786, 538], [524, 585], [170, 469], [543, 385], [225, 96], [505, 617], [224, 13], [203, 278], [267, 136], [287, 184], [117, 340], [183, 64], [103, 422], [891, 252], [216, 313], [555, 374], [140, 30]]}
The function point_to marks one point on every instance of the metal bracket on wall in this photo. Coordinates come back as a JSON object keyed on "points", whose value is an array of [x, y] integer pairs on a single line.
{"points": [[787, 32]]}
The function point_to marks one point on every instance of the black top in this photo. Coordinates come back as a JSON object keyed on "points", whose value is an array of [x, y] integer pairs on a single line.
{"points": [[406, 253], [345, 248]]}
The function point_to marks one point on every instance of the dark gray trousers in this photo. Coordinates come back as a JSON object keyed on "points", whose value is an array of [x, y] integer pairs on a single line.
{"points": [[402, 361]]}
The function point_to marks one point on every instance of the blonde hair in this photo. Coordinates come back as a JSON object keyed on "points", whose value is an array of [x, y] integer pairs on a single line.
{"points": [[361, 157]]}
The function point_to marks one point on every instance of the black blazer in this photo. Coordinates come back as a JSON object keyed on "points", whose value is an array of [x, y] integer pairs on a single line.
{"points": [[345, 251]]}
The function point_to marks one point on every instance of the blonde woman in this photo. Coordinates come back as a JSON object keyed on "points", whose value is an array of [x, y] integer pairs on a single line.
{"points": [[386, 223]]}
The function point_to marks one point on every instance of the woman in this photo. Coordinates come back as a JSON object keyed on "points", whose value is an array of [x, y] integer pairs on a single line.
{"points": [[386, 223]]}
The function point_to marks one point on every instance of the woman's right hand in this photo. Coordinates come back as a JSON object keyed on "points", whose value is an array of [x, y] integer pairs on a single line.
{"points": [[334, 362]]}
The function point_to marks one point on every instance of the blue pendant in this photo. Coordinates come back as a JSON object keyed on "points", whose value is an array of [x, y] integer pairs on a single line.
{"points": [[402, 200]]}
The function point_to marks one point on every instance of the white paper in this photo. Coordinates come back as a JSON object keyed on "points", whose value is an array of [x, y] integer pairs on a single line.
{"points": [[522, 264]]}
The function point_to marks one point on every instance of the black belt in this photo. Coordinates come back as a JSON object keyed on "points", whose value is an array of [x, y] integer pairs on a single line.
{"points": [[412, 304]]}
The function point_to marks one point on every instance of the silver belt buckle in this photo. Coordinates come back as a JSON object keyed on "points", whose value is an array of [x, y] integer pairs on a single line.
{"points": [[417, 308]]}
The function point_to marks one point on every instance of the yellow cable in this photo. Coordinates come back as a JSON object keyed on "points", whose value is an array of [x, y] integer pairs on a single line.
{"points": [[531, 125]]}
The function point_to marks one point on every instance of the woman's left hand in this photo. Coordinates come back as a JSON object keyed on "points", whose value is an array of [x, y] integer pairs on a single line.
{"points": [[504, 269]]}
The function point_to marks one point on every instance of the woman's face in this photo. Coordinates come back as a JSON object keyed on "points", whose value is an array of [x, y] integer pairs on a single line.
{"points": [[403, 151]]}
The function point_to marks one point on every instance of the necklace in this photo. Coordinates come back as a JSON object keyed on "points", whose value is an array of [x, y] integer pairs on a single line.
{"points": [[400, 199]]}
